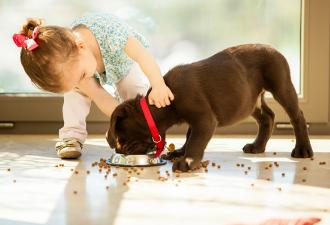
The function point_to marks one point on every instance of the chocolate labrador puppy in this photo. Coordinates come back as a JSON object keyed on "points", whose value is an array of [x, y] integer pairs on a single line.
{"points": [[218, 91]]}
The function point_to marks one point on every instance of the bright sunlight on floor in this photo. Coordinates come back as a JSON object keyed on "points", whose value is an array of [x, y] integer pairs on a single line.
{"points": [[38, 188]]}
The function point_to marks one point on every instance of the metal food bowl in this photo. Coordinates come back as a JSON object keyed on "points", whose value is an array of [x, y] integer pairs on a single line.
{"points": [[134, 160]]}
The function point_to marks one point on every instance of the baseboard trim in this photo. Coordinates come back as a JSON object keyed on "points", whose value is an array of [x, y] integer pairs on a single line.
{"points": [[102, 127]]}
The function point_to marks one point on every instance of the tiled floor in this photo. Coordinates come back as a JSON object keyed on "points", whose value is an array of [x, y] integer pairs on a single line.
{"points": [[35, 191]]}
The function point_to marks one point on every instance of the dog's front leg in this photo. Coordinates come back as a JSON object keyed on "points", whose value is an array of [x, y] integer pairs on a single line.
{"points": [[201, 133], [178, 152]]}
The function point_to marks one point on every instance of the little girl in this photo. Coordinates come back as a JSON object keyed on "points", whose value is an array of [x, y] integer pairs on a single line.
{"points": [[99, 49]]}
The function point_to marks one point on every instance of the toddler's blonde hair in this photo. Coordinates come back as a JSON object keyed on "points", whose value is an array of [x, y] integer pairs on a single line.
{"points": [[55, 46]]}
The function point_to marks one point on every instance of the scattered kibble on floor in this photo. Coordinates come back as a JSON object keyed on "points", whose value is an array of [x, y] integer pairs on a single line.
{"points": [[130, 171]]}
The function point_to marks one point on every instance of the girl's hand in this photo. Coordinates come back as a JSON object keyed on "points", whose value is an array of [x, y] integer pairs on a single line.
{"points": [[160, 96]]}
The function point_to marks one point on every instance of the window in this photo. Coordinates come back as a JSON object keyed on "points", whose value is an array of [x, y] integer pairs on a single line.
{"points": [[181, 32]]}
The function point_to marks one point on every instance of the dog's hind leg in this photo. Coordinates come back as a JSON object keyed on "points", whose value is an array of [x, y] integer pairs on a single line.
{"points": [[289, 101], [278, 82], [265, 119]]}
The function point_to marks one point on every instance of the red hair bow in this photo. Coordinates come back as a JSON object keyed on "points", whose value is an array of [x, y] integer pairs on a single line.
{"points": [[28, 43]]}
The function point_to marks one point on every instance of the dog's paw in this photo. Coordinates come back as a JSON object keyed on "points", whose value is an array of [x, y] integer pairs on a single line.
{"points": [[173, 155], [184, 164], [302, 152], [252, 148]]}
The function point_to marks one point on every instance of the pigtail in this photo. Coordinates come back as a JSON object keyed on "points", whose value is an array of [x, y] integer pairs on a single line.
{"points": [[29, 25]]}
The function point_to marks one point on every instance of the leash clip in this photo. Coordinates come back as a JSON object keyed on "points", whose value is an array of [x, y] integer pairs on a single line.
{"points": [[156, 142]]}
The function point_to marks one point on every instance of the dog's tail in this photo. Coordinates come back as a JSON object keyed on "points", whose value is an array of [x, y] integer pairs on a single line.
{"points": [[264, 106]]}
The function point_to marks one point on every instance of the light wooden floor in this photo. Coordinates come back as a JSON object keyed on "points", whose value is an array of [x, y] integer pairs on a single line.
{"points": [[35, 191]]}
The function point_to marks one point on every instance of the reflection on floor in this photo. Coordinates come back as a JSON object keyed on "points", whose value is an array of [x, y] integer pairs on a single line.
{"points": [[36, 189]]}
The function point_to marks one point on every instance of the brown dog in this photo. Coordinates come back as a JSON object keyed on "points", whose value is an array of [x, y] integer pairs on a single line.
{"points": [[218, 91]]}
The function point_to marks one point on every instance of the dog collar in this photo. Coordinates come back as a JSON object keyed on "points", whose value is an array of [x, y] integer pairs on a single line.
{"points": [[156, 138]]}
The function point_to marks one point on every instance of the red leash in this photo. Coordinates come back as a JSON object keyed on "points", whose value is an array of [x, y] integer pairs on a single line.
{"points": [[156, 138]]}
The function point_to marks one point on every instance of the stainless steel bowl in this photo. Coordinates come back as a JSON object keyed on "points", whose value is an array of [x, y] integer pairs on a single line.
{"points": [[134, 160]]}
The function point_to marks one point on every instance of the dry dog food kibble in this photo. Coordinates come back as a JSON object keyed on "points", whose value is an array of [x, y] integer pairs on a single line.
{"points": [[205, 163], [171, 147]]}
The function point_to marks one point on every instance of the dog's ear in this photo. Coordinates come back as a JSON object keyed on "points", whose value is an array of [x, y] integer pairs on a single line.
{"points": [[118, 114]]}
